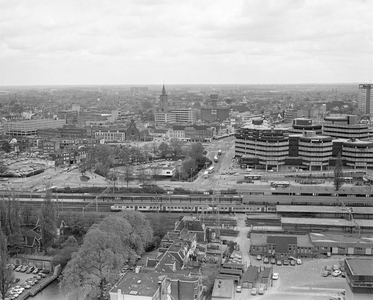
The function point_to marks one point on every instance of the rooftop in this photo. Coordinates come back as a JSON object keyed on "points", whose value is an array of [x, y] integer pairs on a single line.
{"points": [[360, 266], [223, 288], [140, 284], [323, 209]]}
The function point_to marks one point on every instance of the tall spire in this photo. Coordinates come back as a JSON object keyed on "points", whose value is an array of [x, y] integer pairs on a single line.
{"points": [[164, 91]]}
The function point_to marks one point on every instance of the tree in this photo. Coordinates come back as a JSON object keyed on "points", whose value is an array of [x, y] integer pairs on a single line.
{"points": [[10, 222], [189, 166], [338, 173], [128, 173], [195, 151], [102, 169], [176, 147], [68, 248], [6, 273], [164, 149], [107, 246], [6, 147], [47, 221]]}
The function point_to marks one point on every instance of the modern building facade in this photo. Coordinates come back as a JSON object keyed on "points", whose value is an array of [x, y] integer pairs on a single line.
{"points": [[366, 98], [260, 146], [300, 125], [315, 150], [267, 146], [30, 127], [111, 134], [359, 276], [345, 127]]}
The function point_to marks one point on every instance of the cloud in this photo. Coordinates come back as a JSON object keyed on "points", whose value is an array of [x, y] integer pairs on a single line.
{"points": [[148, 41]]}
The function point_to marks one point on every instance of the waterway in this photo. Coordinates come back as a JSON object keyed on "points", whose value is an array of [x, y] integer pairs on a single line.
{"points": [[50, 292]]}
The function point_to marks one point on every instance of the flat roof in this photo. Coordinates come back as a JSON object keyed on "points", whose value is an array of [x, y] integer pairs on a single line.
{"points": [[326, 222], [340, 239], [324, 209], [360, 266], [223, 288]]}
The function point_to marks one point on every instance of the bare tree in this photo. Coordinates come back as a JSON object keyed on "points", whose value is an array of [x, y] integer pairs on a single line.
{"points": [[143, 175], [128, 173]]}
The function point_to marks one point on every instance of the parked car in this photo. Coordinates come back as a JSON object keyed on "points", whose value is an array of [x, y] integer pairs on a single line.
{"points": [[253, 291], [299, 261], [325, 273], [238, 289], [336, 273], [279, 262], [261, 291], [273, 261], [293, 263], [259, 257], [286, 262], [266, 260], [275, 276]]}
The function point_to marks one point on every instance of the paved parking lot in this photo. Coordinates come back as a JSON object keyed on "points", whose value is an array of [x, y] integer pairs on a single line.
{"points": [[300, 282]]}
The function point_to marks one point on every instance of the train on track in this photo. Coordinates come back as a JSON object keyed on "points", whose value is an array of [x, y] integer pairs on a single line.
{"points": [[252, 202]]}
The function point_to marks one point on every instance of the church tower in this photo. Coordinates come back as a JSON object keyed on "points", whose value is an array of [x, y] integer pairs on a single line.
{"points": [[163, 103]]}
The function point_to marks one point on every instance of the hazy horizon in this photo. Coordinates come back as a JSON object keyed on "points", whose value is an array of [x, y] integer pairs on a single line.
{"points": [[78, 42]]}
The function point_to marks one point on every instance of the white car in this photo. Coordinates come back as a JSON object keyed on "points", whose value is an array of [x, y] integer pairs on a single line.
{"points": [[336, 273], [299, 261], [238, 289], [275, 276]]}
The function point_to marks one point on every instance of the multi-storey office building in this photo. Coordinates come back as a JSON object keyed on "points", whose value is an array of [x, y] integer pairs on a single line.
{"points": [[366, 98], [315, 150], [268, 146], [358, 154], [30, 127], [179, 116], [301, 125], [345, 127], [111, 134]]}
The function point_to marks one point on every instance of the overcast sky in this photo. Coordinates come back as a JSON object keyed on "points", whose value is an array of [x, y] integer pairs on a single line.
{"points": [[46, 42]]}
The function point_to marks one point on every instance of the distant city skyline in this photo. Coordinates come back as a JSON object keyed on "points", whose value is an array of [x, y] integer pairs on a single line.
{"points": [[147, 42]]}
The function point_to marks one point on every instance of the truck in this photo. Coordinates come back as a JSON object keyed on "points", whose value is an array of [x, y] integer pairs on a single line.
{"points": [[219, 152], [216, 159]]}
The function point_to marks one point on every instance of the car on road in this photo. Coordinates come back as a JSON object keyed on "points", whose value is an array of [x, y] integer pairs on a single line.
{"points": [[238, 289], [275, 276], [336, 273], [253, 291]]}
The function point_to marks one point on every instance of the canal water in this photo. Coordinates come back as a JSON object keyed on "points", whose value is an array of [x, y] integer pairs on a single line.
{"points": [[50, 292]]}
